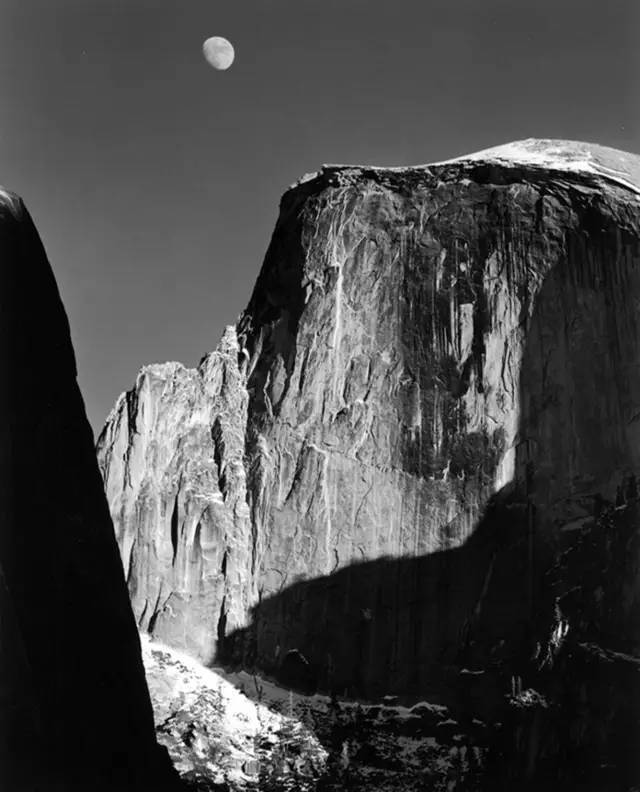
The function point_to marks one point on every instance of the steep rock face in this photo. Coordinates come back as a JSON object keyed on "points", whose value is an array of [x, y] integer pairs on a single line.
{"points": [[75, 711], [177, 442], [434, 382]]}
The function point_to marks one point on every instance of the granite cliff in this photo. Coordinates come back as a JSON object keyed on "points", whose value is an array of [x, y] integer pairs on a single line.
{"points": [[410, 468], [75, 712]]}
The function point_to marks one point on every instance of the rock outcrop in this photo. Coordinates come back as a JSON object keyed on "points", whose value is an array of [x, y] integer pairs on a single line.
{"points": [[432, 394], [177, 441], [75, 712]]}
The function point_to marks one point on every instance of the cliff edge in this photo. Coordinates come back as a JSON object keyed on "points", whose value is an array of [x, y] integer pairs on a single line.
{"points": [[387, 477]]}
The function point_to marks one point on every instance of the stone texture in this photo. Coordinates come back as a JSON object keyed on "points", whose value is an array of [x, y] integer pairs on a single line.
{"points": [[177, 442], [432, 391], [75, 712]]}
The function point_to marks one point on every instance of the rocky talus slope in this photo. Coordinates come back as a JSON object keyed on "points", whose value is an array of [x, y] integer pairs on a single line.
{"points": [[75, 712], [398, 472]]}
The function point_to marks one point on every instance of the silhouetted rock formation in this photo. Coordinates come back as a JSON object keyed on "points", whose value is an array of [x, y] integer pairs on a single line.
{"points": [[75, 711], [431, 396]]}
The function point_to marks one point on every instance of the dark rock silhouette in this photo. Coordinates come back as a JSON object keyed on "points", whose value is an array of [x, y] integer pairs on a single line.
{"points": [[75, 712]]}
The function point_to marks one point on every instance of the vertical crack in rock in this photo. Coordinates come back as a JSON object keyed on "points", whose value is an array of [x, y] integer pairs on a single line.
{"points": [[218, 454], [174, 531]]}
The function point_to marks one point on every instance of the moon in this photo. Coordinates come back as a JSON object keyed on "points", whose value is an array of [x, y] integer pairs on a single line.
{"points": [[218, 52]]}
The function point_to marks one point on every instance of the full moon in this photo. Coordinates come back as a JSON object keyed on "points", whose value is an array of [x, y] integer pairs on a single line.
{"points": [[218, 52]]}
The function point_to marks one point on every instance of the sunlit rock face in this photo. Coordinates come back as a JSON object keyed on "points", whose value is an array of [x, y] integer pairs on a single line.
{"points": [[437, 363], [172, 457], [75, 712]]}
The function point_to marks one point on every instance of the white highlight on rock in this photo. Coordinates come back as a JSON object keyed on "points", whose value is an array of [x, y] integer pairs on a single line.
{"points": [[564, 155], [569, 156], [227, 726]]}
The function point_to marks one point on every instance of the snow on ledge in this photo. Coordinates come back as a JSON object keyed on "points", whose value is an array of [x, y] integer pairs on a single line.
{"points": [[566, 155]]}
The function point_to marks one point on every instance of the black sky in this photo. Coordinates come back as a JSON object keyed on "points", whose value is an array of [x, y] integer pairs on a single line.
{"points": [[155, 180]]}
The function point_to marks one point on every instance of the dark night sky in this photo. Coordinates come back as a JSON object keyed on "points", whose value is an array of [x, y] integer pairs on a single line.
{"points": [[155, 180]]}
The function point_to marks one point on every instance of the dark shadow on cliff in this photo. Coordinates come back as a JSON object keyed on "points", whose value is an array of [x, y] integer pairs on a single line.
{"points": [[470, 625], [276, 304], [395, 625]]}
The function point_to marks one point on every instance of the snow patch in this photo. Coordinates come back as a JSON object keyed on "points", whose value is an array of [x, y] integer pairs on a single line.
{"points": [[566, 155]]}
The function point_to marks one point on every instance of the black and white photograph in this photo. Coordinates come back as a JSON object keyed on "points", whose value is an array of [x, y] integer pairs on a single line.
{"points": [[319, 396]]}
